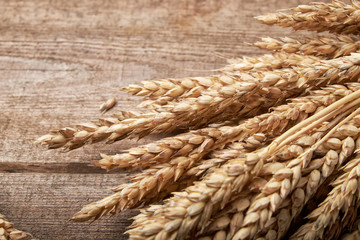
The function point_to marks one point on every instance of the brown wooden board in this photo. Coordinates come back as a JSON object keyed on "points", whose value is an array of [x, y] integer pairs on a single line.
{"points": [[59, 60]]}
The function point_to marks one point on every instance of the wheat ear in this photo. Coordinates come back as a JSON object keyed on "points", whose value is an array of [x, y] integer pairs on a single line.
{"points": [[280, 186], [339, 202], [155, 183], [251, 95], [205, 140], [160, 92], [269, 62], [75, 137], [330, 47], [336, 17], [165, 90], [333, 159], [202, 141], [266, 62], [198, 202], [228, 220], [217, 186], [8, 232], [277, 226]]}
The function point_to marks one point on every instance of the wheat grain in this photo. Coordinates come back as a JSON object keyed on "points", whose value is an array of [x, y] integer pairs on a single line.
{"points": [[330, 47], [336, 17], [110, 103]]}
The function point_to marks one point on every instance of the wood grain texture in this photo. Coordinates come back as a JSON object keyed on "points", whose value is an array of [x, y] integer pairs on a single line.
{"points": [[58, 63]]}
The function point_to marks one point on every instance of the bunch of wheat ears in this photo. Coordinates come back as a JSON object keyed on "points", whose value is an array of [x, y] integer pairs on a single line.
{"points": [[270, 148]]}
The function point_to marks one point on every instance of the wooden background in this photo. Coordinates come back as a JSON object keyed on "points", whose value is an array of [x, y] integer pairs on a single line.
{"points": [[58, 62]]}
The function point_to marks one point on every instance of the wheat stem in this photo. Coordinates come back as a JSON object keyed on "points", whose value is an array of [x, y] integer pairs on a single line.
{"points": [[334, 109]]}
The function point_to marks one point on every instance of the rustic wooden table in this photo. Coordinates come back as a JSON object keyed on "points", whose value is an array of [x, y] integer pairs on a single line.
{"points": [[58, 63]]}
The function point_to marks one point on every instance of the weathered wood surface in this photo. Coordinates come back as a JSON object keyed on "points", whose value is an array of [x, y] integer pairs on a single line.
{"points": [[58, 62]]}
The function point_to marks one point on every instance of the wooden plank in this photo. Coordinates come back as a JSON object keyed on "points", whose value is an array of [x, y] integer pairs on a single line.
{"points": [[58, 63], [43, 203]]}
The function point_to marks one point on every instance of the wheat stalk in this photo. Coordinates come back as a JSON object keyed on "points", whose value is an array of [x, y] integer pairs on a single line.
{"points": [[336, 17]]}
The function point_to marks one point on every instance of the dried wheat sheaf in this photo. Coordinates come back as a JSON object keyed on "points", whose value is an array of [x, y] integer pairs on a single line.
{"points": [[266, 140]]}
